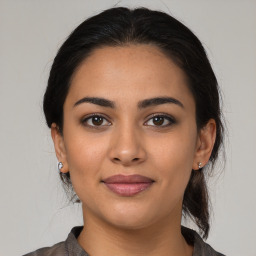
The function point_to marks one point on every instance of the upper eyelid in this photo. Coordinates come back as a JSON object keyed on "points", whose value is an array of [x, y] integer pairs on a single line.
{"points": [[95, 114]]}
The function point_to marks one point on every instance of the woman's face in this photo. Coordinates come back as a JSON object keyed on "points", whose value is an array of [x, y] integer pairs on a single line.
{"points": [[130, 134]]}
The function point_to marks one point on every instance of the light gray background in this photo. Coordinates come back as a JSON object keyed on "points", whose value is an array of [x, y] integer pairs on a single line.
{"points": [[34, 211]]}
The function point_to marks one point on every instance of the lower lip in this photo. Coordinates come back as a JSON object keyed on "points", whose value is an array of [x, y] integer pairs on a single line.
{"points": [[128, 189]]}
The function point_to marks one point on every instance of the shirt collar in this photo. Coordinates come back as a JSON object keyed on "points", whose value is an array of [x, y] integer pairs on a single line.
{"points": [[191, 236]]}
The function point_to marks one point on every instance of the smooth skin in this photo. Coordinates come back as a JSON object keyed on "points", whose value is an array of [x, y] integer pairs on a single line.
{"points": [[129, 140]]}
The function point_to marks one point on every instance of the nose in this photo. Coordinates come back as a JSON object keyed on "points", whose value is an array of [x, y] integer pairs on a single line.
{"points": [[127, 147]]}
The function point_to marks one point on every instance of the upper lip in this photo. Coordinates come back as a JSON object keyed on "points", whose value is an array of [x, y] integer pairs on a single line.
{"points": [[127, 179]]}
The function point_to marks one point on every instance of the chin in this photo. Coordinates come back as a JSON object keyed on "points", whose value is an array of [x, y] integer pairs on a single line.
{"points": [[130, 223], [131, 219]]}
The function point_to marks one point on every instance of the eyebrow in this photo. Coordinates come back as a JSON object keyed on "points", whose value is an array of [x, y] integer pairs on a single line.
{"points": [[141, 104]]}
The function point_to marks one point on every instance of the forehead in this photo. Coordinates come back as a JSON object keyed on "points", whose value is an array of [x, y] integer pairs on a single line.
{"points": [[129, 73]]}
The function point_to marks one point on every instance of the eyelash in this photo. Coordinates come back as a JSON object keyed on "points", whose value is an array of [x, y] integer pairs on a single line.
{"points": [[169, 118]]}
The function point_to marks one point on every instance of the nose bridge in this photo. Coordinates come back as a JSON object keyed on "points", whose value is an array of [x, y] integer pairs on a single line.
{"points": [[127, 144]]}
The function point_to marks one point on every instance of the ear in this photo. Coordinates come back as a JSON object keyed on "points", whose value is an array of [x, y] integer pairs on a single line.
{"points": [[205, 142], [59, 146]]}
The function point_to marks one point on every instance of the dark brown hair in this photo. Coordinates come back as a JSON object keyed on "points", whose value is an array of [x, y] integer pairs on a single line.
{"points": [[121, 26]]}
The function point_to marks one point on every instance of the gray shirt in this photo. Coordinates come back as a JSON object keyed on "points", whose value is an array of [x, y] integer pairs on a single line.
{"points": [[70, 246]]}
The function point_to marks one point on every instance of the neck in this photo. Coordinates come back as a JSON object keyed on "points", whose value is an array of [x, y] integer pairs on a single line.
{"points": [[163, 238]]}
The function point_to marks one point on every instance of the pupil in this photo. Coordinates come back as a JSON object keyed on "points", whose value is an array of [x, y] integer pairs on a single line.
{"points": [[159, 120]]}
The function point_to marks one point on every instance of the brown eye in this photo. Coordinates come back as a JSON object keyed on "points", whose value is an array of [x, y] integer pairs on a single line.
{"points": [[158, 120], [161, 121], [95, 121]]}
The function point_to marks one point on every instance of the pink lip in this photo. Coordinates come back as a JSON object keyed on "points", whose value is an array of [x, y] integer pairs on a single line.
{"points": [[128, 185]]}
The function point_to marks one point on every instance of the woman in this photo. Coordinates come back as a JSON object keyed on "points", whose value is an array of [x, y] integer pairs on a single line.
{"points": [[133, 107]]}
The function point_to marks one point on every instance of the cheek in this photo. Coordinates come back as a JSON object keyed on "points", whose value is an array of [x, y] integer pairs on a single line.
{"points": [[175, 150], [173, 158], [84, 156]]}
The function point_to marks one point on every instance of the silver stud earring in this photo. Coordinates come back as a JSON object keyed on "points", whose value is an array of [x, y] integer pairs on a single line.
{"points": [[60, 165], [199, 165]]}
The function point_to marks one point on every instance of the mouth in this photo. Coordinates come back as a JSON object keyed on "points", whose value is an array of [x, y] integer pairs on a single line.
{"points": [[128, 185]]}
